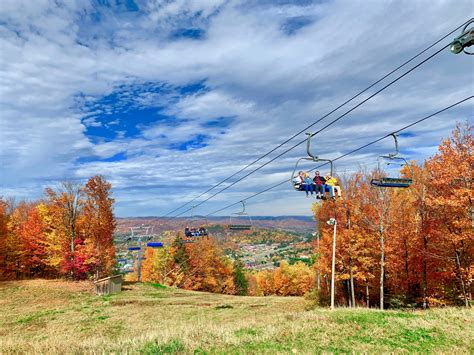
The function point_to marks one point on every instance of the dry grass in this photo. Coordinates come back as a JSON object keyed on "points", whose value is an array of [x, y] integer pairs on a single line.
{"points": [[63, 317]]}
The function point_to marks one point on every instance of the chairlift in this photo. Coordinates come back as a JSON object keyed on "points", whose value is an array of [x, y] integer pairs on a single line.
{"points": [[191, 231], [392, 159], [310, 157], [196, 232], [154, 245], [154, 240], [465, 39], [236, 220]]}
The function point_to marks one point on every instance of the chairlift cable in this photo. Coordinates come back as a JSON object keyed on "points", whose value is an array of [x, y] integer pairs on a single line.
{"points": [[351, 152], [320, 119], [320, 130]]}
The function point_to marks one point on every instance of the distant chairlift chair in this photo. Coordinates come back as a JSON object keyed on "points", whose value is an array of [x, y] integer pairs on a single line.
{"points": [[191, 232], [237, 219], [154, 245], [392, 158]]}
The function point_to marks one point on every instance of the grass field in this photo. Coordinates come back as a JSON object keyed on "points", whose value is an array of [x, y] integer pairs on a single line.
{"points": [[63, 317]]}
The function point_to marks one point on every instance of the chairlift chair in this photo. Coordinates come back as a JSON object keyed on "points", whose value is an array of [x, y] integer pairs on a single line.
{"points": [[154, 245], [241, 216], [191, 231], [390, 159], [310, 157], [154, 241]]}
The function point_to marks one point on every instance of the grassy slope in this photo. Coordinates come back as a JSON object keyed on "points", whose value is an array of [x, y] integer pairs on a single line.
{"points": [[56, 316]]}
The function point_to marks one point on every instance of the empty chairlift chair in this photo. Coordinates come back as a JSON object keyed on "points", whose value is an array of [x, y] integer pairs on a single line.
{"points": [[154, 245], [392, 159], [240, 221]]}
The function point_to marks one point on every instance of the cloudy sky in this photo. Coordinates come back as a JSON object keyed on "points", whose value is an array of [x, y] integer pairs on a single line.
{"points": [[167, 98]]}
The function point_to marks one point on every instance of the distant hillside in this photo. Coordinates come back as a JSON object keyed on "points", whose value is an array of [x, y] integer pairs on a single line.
{"points": [[299, 224]]}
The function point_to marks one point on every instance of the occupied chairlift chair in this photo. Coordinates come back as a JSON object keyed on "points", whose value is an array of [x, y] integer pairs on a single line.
{"points": [[240, 221], [191, 231], [390, 159], [310, 157]]}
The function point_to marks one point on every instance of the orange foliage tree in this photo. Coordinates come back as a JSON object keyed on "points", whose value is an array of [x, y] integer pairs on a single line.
{"points": [[98, 223], [450, 203]]}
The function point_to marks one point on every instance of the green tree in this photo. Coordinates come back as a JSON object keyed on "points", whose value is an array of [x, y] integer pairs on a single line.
{"points": [[240, 281]]}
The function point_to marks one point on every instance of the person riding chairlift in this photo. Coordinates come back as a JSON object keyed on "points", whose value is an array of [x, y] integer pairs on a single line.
{"points": [[320, 185], [298, 180], [308, 184], [332, 187], [187, 232]]}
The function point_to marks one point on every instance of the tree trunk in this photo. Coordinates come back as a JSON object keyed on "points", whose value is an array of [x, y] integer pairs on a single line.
{"points": [[425, 272], [351, 280], [328, 287], [463, 288], [407, 275], [367, 294]]}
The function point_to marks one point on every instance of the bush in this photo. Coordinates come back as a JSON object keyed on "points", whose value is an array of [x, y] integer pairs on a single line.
{"points": [[317, 299]]}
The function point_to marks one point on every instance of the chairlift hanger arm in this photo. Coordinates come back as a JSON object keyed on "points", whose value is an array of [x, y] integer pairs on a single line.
{"points": [[243, 208], [465, 39], [240, 226], [393, 155], [316, 157]]}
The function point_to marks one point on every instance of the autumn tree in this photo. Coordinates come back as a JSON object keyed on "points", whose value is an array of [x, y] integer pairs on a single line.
{"points": [[33, 252], [450, 202], [208, 269], [159, 267], [5, 248], [68, 203], [98, 225]]}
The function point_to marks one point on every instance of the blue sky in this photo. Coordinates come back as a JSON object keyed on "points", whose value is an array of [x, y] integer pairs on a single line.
{"points": [[167, 98]]}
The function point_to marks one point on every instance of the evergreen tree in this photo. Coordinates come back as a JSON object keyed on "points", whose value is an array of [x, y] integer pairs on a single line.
{"points": [[240, 281]]}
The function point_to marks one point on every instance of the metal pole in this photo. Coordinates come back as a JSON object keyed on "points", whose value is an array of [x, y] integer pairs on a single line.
{"points": [[139, 258], [318, 274], [333, 262]]}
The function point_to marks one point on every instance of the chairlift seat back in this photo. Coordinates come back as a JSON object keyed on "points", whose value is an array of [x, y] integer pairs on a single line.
{"points": [[154, 245], [391, 182], [240, 227]]}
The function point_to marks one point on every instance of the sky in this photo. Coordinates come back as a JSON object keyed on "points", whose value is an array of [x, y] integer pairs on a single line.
{"points": [[167, 98]]}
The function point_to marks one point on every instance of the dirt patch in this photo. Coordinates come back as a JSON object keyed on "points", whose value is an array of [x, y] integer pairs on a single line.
{"points": [[120, 303]]}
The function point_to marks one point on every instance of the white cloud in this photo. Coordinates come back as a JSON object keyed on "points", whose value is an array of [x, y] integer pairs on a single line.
{"points": [[271, 85]]}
